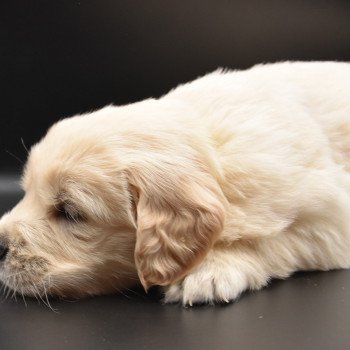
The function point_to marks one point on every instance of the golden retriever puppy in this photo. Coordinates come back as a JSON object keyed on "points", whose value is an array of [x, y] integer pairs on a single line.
{"points": [[210, 190]]}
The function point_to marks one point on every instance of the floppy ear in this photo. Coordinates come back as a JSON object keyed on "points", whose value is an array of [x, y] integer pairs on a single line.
{"points": [[178, 219]]}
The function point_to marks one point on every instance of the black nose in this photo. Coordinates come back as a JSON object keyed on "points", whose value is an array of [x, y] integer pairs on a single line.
{"points": [[3, 252]]}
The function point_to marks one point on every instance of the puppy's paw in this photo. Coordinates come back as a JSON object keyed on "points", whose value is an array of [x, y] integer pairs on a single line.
{"points": [[208, 284]]}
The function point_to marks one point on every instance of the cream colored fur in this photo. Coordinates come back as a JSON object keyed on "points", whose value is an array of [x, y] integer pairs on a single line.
{"points": [[215, 188]]}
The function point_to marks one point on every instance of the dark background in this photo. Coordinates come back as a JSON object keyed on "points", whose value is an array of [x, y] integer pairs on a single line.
{"points": [[58, 58]]}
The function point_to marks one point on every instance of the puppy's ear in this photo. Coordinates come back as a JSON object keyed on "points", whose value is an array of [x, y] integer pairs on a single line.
{"points": [[179, 216]]}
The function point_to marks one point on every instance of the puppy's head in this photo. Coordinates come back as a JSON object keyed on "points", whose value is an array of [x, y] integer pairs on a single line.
{"points": [[104, 210]]}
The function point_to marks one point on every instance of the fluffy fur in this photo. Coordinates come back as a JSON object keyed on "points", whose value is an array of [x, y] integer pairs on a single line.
{"points": [[212, 189]]}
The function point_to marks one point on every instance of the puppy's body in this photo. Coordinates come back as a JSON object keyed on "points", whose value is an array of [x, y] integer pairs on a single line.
{"points": [[220, 185]]}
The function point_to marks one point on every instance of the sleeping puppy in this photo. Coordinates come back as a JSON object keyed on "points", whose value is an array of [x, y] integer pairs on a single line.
{"points": [[210, 190]]}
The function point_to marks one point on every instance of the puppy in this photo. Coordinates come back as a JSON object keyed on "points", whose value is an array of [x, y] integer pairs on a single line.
{"points": [[210, 190]]}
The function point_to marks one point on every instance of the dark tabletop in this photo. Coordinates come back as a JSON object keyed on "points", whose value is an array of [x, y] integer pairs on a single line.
{"points": [[307, 311]]}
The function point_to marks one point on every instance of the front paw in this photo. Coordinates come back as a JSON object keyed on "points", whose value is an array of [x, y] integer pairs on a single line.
{"points": [[208, 284]]}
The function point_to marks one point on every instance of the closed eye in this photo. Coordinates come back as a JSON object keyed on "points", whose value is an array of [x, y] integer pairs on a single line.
{"points": [[69, 213]]}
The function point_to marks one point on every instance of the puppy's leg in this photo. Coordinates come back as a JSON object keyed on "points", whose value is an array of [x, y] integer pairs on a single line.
{"points": [[222, 277], [318, 239], [227, 271]]}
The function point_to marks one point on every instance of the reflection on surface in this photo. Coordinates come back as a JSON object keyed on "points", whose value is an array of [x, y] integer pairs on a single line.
{"points": [[9, 184], [10, 192]]}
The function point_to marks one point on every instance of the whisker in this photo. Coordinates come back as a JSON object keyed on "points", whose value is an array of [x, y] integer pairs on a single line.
{"points": [[14, 156], [2, 291], [24, 299], [2, 288], [47, 299], [38, 294], [13, 296], [132, 291], [25, 147], [122, 293], [8, 293]]}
